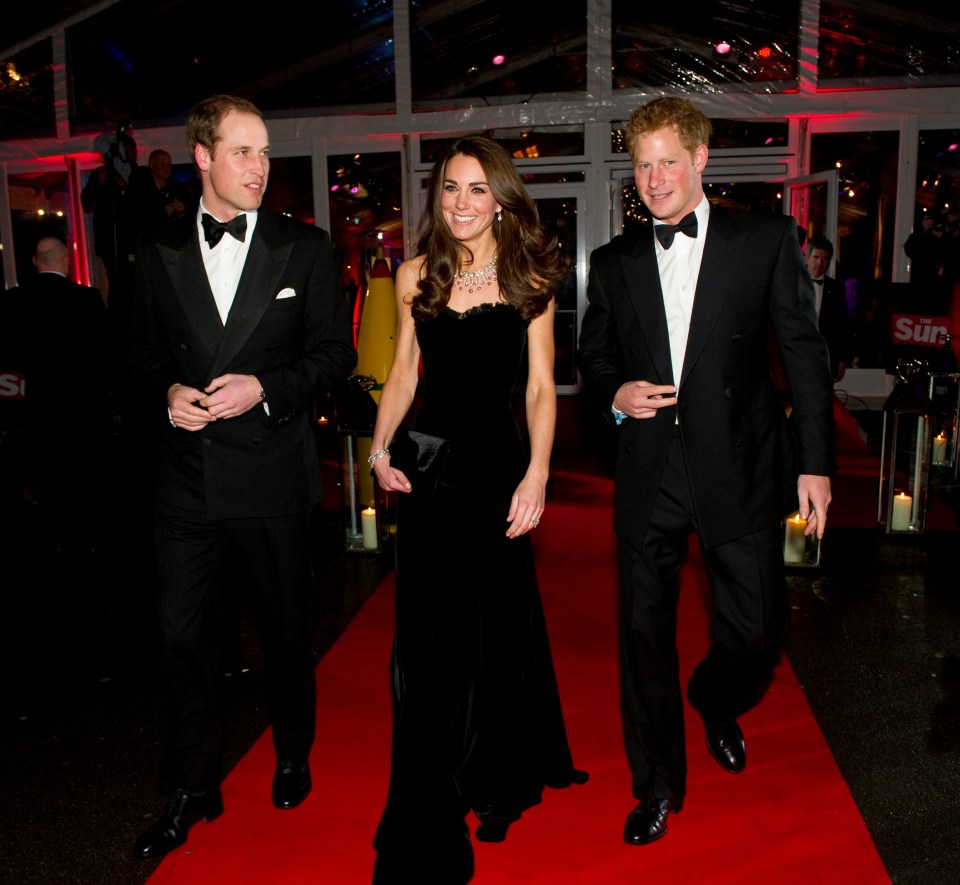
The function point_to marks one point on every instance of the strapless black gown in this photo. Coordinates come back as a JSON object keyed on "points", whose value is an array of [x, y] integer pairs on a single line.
{"points": [[477, 717]]}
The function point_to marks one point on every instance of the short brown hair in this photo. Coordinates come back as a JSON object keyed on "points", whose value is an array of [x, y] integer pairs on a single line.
{"points": [[203, 122], [691, 123]]}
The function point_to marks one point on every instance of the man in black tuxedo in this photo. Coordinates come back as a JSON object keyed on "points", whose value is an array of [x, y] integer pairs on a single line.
{"points": [[831, 301], [238, 317], [60, 331], [673, 347]]}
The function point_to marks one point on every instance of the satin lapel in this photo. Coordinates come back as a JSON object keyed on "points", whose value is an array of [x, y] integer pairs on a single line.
{"points": [[190, 284], [266, 260], [721, 256], [642, 274]]}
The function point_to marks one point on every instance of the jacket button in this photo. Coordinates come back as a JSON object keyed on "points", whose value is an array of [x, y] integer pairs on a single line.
{"points": [[183, 347], [256, 441], [739, 443], [728, 393], [208, 442], [736, 338]]}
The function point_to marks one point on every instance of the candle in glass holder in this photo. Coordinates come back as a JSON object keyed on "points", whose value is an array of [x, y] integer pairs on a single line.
{"points": [[939, 450], [795, 541], [368, 523], [902, 513]]}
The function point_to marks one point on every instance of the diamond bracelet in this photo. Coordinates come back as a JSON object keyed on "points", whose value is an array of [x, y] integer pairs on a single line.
{"points": [[377, 455]]}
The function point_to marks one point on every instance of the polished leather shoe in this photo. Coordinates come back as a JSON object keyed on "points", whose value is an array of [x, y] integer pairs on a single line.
{"points": [[726, 744], [648, 821], [291, 784], [182, 812]]}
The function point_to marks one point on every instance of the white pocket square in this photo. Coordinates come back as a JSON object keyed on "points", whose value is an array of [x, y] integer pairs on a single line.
{"points": [[286, 293]]}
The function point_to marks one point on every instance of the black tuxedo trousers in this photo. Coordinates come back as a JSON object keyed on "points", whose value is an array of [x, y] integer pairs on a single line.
{"points": [[751, 613], [276, 567]]}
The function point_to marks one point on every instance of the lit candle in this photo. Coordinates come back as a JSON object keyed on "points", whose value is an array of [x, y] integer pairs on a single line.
{"points": [[939, 450], [368, 523], [902, 511], [795, 542]]}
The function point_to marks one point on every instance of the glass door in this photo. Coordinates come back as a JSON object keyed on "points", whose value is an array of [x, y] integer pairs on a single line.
{"points": [[812, 201]]}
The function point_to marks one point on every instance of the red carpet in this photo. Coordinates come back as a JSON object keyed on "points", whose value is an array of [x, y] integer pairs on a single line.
{"points": [[789, 818]]}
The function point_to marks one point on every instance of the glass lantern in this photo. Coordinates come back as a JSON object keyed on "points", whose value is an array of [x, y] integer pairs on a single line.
{"points": [[799, 550], [908, 425], [944, 393], [365, 524]]}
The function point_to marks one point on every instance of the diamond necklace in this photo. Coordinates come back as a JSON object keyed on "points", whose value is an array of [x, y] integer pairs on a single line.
{"points": [[475, 280]]}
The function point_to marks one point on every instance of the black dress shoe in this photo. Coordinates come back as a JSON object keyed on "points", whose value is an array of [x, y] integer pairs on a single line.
{"points": [[726, 744], [648, 821], [291, 784], [183, 811]]}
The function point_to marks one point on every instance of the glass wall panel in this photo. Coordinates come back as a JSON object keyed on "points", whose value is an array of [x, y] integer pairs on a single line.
{"points": [[39, 207], [894, 39], [290, 188], [26, 93], [717, 41], [726, 134], [934, 245], [521, 144], [558, 215], [867, 164], [151, 60], [365, 214], [496, 48]]}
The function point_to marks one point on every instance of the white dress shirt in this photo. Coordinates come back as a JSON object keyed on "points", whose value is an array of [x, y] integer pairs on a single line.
{"points": [[224, 262], [679, 270]]}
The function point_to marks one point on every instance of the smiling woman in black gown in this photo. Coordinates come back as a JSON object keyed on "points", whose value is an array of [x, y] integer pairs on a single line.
{"points": [[477, 718]]}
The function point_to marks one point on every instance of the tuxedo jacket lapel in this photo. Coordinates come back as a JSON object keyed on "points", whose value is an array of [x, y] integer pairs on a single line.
{"points": [[190, 284], [721, 256], [256, 290], [646, 295]]}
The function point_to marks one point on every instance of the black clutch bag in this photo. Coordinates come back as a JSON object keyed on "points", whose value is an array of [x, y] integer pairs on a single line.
{"points": [[421, 457]]}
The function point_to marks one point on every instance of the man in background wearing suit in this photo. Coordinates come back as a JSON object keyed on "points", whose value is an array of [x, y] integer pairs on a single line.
{"points": [[60, 331], [673, 347], [238, 317], [831, 303]]}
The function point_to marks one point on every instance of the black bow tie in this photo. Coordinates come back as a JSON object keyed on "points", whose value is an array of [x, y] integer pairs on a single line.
{"points": [[666, 232], [819, 282], [214, 230]]}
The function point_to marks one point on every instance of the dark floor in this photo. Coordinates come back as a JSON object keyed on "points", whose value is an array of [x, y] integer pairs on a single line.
{"points": [[875, 644]]}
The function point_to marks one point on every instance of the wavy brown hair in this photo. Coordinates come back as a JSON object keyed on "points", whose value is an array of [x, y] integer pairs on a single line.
{"points": [[529, 265]]}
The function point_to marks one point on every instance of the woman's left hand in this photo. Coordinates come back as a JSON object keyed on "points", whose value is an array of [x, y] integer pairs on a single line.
{"points": [[526, 506]]}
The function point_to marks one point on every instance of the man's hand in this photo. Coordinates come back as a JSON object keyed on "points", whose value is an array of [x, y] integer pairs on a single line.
{"points": [[641, 399], [184, 411], [814, 494], [231, 395]]}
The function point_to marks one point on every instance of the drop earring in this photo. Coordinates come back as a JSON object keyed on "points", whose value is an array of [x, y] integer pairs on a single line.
{"points": [[499, 214]]}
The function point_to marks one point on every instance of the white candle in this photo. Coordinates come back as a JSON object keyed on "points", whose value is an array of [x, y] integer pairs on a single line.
{"points": [[795, 542], [902, 511], [368, 522], [939, 450]]}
